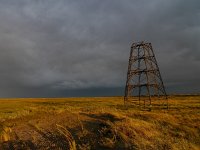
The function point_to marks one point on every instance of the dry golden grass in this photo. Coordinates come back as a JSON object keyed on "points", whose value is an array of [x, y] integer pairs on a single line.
{"points": [[5, 133], [98, 123]]}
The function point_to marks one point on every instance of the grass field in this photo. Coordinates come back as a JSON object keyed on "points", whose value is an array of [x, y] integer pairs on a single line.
{"points": [[98, 123]]}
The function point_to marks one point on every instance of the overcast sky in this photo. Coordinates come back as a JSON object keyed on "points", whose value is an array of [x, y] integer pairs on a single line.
{"points": [[62, 48]]}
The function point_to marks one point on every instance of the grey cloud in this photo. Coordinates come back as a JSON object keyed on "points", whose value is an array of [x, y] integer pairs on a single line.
{"points": [[65, 45]]}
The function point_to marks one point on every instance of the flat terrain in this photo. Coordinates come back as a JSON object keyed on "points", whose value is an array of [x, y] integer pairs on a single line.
{"points": [[98, 123]]}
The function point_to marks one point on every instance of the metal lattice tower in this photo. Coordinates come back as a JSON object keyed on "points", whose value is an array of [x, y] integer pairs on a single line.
{"points": [[144, 85]]}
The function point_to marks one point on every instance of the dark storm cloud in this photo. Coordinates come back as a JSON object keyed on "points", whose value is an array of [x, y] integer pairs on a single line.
{"points": [[52, 48]]}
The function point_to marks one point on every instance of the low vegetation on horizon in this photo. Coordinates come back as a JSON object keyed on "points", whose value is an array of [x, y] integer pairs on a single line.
{"points": [[98, 123]]}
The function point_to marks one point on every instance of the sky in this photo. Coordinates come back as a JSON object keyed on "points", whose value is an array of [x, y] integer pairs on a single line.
{"points": [[62, 48]]}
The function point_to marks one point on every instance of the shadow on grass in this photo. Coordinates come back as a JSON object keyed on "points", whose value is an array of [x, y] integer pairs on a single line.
{"points": [[105, 116], [51, 140], [18, 145], [103, 133]]}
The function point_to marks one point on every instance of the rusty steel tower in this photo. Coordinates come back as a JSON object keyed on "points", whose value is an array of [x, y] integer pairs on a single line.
{"points": [[144, 85]]}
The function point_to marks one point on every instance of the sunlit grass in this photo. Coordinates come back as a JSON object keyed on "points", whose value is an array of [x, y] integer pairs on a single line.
{"points": [[100, 123]]}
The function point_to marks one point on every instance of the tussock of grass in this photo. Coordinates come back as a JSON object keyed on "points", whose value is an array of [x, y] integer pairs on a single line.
{"points": [[5, 133], [63, 131]]}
